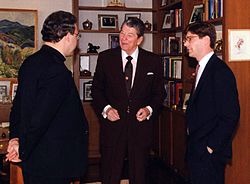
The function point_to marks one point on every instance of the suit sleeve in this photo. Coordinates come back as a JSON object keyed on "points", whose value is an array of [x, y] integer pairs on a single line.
{"points": [[98, 86], [227, 108], [158, 91]]}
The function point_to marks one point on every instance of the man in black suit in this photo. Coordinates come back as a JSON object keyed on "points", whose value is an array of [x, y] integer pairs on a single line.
{"points": [[213, 108], [48, 128], [127, 107]]}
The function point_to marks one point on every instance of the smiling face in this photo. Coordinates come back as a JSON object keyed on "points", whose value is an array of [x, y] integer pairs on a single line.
{"points": [[129, 39]]}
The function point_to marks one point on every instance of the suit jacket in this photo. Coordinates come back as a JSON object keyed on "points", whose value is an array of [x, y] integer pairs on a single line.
{"points": [[109, 88], [48, 118], [213, 112]]}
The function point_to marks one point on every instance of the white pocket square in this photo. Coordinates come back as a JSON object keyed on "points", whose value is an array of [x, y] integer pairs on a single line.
{"points": [[150, 73]]}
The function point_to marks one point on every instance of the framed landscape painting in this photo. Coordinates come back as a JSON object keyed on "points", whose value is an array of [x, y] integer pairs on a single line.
{"points": [[18, 39]]}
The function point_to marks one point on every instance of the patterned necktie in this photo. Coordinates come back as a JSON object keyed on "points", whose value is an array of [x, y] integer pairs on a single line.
{"points": [[128, 74]]}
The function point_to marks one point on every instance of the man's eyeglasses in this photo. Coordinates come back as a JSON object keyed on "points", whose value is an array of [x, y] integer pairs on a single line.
{"points": [[189, 38], [78, 35]]}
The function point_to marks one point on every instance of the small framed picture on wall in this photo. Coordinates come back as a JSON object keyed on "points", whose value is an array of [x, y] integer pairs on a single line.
{"points": [[109, 22], [113, 40]]}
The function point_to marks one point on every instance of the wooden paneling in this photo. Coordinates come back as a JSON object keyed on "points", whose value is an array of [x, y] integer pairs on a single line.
{"points": [[179, 142], [94, 130], [237, 17]]}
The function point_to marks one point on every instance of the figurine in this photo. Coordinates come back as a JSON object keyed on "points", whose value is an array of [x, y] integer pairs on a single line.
{"points": [[87, 25], [92, 48]]}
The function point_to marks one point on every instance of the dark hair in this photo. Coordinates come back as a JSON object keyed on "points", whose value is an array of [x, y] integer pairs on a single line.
{"points": [[135, 23], [57, 25], [203, 29]]}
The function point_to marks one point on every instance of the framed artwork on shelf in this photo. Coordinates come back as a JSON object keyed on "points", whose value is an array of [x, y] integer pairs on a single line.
{"points": [[87, 91], [18, 39], [239, 44], [167, 21], [13, 90], [108, 22], [185, 101], [3, 92], [132, 15], [164, 2], [197, 14], [84, 63], [113, 40]]}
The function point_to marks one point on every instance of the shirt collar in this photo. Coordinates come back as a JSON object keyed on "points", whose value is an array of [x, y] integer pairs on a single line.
{"points": [[134, 55], [205, 59]]}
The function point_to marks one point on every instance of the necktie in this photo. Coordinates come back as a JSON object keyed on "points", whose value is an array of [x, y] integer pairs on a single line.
{"points": [[196, 73], [128, 74]]}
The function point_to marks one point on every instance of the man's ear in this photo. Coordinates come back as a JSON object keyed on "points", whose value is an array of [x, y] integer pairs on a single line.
{"points": [[140, 40]]}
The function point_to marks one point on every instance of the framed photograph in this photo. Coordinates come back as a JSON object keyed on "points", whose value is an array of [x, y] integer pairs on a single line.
{"points": [[3, 92], [239, 44], [84, 62], [13, 91], [7, 83], [166, 21], [185, 101], [108, 22], [132, 15], [197, 14], [18, 28], [164, 2], [87, 91], [113, 40]]}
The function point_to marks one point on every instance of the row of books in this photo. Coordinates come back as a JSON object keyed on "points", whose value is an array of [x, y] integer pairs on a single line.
{"points": [[174, 92], [172, 67], [173, 19], [212, 9], [171, 45]]}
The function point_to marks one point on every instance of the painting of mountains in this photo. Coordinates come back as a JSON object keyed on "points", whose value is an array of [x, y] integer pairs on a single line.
{"points": [[17, 39]]}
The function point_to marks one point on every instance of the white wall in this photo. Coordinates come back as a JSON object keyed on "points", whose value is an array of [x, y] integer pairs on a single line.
{"points": [[44, 8]]}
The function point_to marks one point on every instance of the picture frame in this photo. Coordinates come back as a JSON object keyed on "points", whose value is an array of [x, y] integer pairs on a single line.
{"points": [[108, 22], [166, 21], [164, 2], [113, 41], [132, 15], [19, 39], [239, 44], [6, 82], [87, 91], [13, 90], [185, 101], [3, 92], [197, 13], [84, 62]]}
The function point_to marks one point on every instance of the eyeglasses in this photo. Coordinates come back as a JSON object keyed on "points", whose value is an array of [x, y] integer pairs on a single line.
{"points": [[189, 38], [78, 35]]}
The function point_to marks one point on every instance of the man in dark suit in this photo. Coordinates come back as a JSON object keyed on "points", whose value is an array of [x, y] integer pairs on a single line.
{"points": [[48, 128], [213, 108], [127, 107]]}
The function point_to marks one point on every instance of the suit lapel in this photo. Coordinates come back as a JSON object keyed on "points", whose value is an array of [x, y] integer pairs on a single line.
{"points": [[203, 77], [138, 72]]}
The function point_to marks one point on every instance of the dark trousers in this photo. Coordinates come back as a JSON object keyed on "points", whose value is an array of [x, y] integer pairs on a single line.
{"points": [[113, 159], [29, 179], [207, 170]]}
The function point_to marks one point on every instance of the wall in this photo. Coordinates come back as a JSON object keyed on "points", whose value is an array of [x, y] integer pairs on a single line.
{"points": [[44, 8], [237, 17]]}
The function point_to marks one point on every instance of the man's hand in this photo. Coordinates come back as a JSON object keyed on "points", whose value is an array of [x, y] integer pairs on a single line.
{"points": [[142, 114], [13, 151], [209, 150], [112, 114]]}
